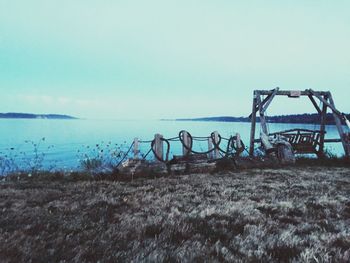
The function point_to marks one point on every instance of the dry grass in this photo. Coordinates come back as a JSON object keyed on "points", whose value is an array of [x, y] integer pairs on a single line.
{"points": [[284, 215]]}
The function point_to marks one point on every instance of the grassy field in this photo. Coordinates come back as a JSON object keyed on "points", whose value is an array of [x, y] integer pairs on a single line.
{"points": [[271, 215]]}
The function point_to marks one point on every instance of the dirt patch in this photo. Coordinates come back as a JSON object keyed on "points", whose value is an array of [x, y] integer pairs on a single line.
{"points": [[274, 215]]}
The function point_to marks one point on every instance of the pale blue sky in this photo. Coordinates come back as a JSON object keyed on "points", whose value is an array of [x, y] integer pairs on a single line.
{"points": [[165, 59]]}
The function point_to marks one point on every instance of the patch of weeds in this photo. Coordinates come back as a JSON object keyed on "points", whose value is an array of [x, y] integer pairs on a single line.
{"points": [[79, 176], [218, 227], [225, 164], [315, 210], [288, 220], [153, 230], [102, 157], [327, 226], [284, 253], [328, 160], [295, 212], [269, 211], [342, 243]]}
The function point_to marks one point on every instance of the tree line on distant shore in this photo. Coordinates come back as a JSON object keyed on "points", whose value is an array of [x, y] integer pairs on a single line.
{"points": [[33, 116], [294, 118]]}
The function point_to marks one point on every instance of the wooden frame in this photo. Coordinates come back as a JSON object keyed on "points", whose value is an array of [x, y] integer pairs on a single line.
{"points": [[260, 106]]}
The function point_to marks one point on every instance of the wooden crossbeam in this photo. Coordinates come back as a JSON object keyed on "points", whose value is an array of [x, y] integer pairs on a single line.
{"points": [[329, 104], [268, 102], [288, 92], [262, 115], [263, 102], [315, 104], [338, 123], [253, 126], [323, 126]]}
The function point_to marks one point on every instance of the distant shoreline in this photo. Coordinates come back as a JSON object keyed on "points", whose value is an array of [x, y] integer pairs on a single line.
{"points": [[290, 119], [11, 115]]}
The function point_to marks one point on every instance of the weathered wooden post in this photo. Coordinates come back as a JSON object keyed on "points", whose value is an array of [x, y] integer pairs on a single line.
{"points": [[158, 145], [210, 147], [187, 143], [238, 141], [216, 142], [339, 127], [323, 126], [253, 125], [136, 148]]}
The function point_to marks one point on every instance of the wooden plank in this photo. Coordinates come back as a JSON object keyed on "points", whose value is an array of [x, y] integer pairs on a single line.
{"points": [[186, 141], [268, 102], [340, 127], [263, 102], [288, 92], [323, 126], [332, 140], [315, 104], [238, 141], [347, 122], [325, 141], [329, 104], [253, 126], [158, 146], [262, 116], [295, 94], [216, 140], [293, 130]]}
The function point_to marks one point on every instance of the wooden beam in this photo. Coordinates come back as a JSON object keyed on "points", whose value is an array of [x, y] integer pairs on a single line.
{"points": [[262, 116], [339, 127], [325, 140], [268, 102], [332, 140], [323, 125], [253, 126], [329, 104], [238, 141], [158, 146], [263, 102], [216, 141], [315, 104], [186, 141], [289, 92]]}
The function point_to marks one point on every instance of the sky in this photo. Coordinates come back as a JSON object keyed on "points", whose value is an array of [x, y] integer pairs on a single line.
{"points": [[111, 59]]}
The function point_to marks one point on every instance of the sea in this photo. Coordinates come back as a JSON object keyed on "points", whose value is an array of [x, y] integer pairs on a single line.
{"points": [[64, 144]]}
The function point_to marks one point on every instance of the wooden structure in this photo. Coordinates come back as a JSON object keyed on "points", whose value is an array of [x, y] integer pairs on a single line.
{"points": [[303, 141]]}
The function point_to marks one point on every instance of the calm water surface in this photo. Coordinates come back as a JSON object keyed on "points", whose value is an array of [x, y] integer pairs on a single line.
{"points": [[69, 136]]}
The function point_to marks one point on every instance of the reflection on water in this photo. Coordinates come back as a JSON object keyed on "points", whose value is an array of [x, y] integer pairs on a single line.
{"points": [[69, 136]]}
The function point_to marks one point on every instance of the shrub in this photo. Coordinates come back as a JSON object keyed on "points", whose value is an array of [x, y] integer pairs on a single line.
{"points": [[101, 158]]}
